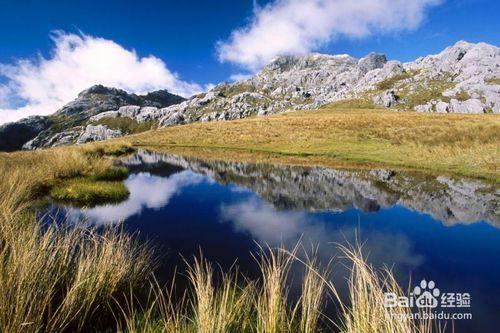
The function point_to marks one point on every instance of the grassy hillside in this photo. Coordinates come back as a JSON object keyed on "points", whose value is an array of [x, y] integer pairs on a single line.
{"points": [[340, 137]]}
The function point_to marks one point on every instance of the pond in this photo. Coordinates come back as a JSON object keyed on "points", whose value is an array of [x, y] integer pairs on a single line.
{"points": [[423, 227]]}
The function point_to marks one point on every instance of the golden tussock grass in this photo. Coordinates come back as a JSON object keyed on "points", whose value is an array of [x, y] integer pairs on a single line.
{"points": [[366, 312], [56, 279], [450, 143], [222, 303]]}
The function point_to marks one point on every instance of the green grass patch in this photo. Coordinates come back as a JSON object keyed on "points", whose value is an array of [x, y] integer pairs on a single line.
{"points": [[111, 150], [114, 173], [391, 81], [126, 125], [495, 80], [88, 192], [424, 93], [462, 95], [354, 103], [236, 89]]}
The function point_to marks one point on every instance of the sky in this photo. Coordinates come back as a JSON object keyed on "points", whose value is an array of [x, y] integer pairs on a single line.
{"points": [[51, 50]]}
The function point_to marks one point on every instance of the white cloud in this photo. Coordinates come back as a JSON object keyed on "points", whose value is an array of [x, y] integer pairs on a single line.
{"points": [[78, 62], [286, 27], [4, 93]]}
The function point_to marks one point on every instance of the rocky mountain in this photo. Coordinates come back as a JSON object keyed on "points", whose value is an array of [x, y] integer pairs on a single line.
{"points": [[74, 122], [14, 135], [463, 78]]}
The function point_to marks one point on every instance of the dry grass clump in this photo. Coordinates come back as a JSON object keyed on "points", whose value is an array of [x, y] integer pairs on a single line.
{"points": [[219, 302], [494, 80], [271, 300], [51, 281], [314, 294], [367, 312], [391, 81], [54, 279], [217, 308], [127, 125], [80, 175]]}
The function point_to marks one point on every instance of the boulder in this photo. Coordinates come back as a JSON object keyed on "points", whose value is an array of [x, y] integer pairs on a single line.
{"points": [[98, 133], [129, 111], [372, 61], [469, 106], [64, 138], [174, 119], [442, 107], [423, 107], [102, 115], [147, 113], [387, 99]]}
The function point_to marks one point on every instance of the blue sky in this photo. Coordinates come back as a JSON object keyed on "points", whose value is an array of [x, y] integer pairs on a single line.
{"points": [[184, 34]]}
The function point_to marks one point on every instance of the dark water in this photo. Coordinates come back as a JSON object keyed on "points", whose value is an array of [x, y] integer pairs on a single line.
{"points": [[432, 228]]}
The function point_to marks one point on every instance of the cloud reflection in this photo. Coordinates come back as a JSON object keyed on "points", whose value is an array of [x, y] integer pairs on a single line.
{"points": [[146, 191], [273, 227]]}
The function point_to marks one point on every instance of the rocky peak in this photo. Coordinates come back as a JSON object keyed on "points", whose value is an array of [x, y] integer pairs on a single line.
{"points": [[99, 89], [99, 94], [372, 61], [459, 79], [162, 98], [65, 125], [460, 55], [282, 64], [99, 98], [313, 61], [458, 51]]}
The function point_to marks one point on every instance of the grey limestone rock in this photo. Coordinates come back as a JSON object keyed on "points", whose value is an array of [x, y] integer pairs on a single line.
{"points": [[387, 99], [174, 119], [469, 106], [372, 61], [91, 105], [97, 133]]}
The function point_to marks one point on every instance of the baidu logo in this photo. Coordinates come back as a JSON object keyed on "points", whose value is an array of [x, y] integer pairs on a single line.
{"points": [[426, 294]]}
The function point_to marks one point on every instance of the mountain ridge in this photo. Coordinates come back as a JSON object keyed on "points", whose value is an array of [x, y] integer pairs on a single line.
{"points": [[463, 78], [64, 126]]}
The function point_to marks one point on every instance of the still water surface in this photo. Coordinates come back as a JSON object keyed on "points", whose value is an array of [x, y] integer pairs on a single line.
{"points": [[423, 227]]}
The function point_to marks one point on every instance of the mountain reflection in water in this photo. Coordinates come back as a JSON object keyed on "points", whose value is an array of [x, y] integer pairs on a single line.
{"points": [[321, 189]]}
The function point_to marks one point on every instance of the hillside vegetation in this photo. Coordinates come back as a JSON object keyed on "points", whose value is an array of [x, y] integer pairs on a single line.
{"points": [[344, 137]]}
